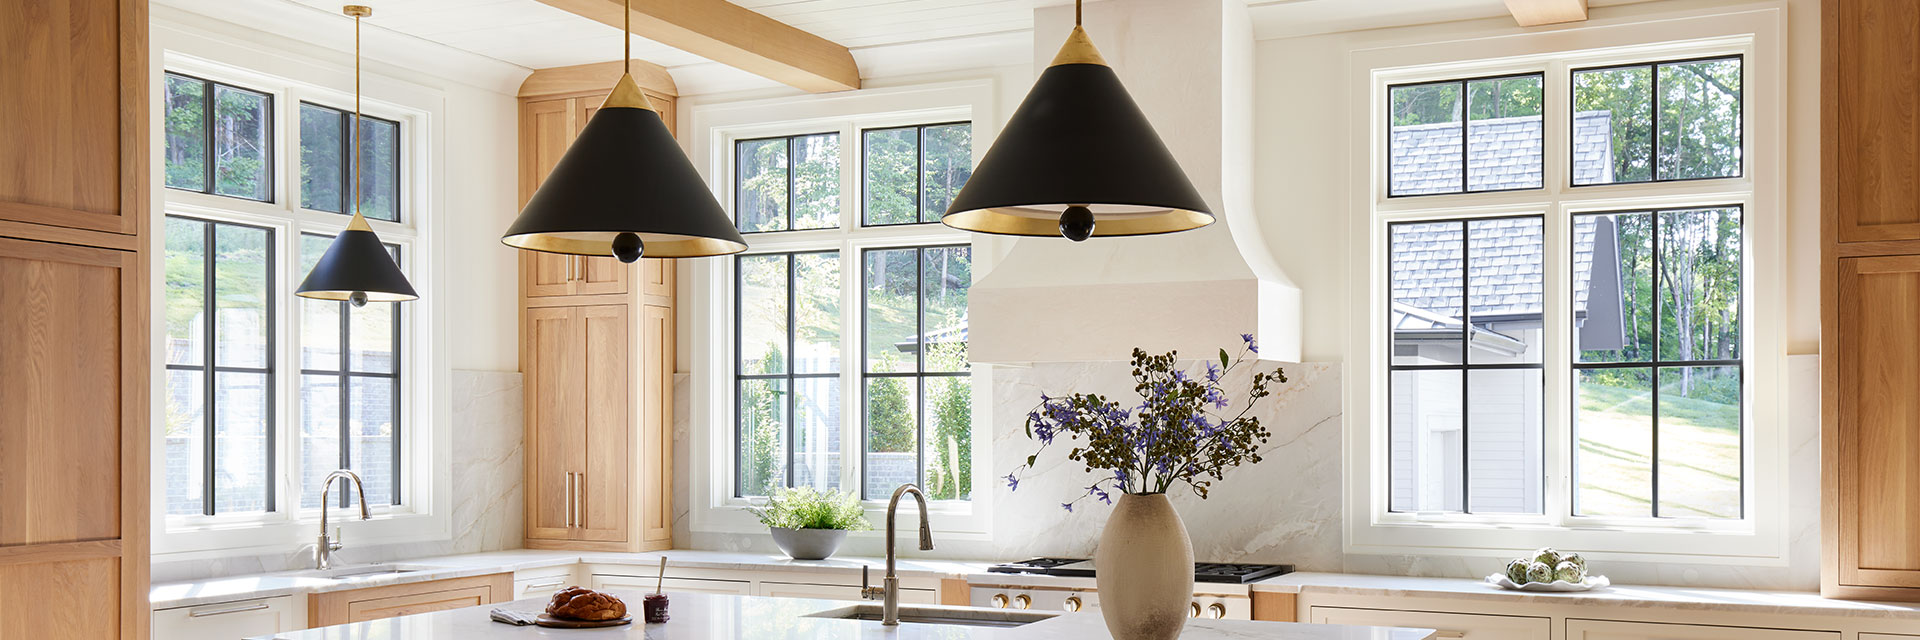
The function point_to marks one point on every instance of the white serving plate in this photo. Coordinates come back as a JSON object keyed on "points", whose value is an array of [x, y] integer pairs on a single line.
{"points": [[1592, 582]]}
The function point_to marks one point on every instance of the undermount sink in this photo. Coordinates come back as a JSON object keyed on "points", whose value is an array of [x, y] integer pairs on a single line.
{"points": [[961, 616], [363, 572]]}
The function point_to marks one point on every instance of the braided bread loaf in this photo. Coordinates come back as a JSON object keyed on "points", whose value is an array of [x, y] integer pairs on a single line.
{"points": [[575, 603]]}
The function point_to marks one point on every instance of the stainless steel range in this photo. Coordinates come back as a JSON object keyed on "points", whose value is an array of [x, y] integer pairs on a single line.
{"points": [[1066, 584]]}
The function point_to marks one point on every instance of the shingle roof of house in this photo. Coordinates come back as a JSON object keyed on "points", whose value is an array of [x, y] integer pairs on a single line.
{"points": [[1502, 153]]}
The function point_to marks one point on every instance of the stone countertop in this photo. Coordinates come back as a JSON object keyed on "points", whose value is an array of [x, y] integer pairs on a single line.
{"points": [[723, 617], [1806, 603], [216, 590]]}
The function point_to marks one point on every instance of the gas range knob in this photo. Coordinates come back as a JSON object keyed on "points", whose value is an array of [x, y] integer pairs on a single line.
{"points": [[1022, 601], [1072, 604], [1216, 611], [1194, 611], [1000, 600]]}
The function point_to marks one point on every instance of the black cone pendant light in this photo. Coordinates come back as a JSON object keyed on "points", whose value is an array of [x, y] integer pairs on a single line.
{"points": [[625, 189], [1078, 159], [357, 268]]}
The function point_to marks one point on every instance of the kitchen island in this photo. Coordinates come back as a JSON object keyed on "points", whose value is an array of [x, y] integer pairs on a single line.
{"points": [[699, 616]]}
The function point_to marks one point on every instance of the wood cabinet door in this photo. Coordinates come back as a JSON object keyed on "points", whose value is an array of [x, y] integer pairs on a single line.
{"points": [[547, 128], [1876, 434], [657, 283], [601, 276], [1871, 146], [656, 426], [605, 358], [555, 433], [74, 149], [396, 606], [545, 274], [392, 601]]}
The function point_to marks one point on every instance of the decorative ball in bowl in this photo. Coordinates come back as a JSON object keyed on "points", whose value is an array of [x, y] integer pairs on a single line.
{"points": [[809, 524], [1548, 570]]}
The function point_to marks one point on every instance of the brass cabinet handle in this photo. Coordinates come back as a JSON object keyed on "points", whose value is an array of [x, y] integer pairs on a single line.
{"points": [[569, 515], [579, 496]]}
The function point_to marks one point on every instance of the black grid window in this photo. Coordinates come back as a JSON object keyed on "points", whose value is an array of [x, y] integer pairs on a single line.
{"points": [[787, 372], [789, 183], [327, 159], [1466, 380], [1658, 372], [350, 377], [1657, 122], [218, 439], [910, 174], [1497, 146], [219, 138], [916, 383]]}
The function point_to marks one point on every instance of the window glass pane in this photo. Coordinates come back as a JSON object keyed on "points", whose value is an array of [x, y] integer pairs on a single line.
{"points": [[892, 312], [1700, 119], [1504, 134], [379, 169], [319, 319], [1425, 441], [371, 330], [946, 275], [1424, 146], [946, 167], [761, 203], [186, 303], [891, 176], [1613, 287], [1613, 435], [816, 288], [319, 433], [816, 438], [1506, 282], [1699, 285], [762, 437], [949, 442], [1613, 125], [186, 127], [185, 441], [241, 274], [372, 427], [763, 314], [241, 419], [241, 130], [816, 181], [321, 159], [1505, 440], [1427, 285], [1700, 442], [892, 408]]}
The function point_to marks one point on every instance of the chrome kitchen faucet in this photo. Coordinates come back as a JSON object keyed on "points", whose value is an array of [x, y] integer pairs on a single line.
{"points": [[323, 552], [889, 591]]}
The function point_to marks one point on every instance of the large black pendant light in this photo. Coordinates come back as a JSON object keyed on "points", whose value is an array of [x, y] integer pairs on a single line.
{"points": [[1078, 159], [625, 189], [357, 268]]}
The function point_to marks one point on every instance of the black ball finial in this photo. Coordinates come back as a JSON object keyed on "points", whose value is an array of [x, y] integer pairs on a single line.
{"points": [[627, 247], [357, 299], [1076, 223]]}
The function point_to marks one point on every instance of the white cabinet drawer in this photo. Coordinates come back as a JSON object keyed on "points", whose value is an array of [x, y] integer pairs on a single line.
{"points": [[1612, 630], [1450, 626], [541, 587], [693, 585], [1887, 636], [242, 619], [840, 592]]}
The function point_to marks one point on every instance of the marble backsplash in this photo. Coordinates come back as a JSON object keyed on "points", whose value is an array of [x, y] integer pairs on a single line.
{"points": [[486, 482]]}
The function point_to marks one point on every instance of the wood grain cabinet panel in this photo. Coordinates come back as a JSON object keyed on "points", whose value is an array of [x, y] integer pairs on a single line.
{"points": [[1876, 463], [392, 601], [603, 490], [656, 425], [555, 435], [1871, 109]]}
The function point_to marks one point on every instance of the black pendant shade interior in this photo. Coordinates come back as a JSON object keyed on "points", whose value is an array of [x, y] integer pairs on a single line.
{"points": [[1078, 159], [357, 267], [625, 189]]}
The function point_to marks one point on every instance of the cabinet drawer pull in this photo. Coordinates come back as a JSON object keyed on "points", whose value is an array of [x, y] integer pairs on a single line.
{"points": [[546, 585], [1449, 635], [579, 496], [203, 613]]}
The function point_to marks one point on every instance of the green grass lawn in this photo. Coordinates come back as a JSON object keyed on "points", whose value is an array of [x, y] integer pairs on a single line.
{"points": [[1699, 454]]}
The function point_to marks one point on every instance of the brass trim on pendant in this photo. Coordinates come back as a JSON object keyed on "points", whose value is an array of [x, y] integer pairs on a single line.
{"points": [[1021, 221], [1078, 49], [627, 94]]}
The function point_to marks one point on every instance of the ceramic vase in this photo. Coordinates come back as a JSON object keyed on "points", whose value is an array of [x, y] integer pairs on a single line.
{"points": [[808, 544], [1144, 569]]}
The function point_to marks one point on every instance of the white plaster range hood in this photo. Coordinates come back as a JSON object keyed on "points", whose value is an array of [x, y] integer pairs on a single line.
{"points": [[1189, 64]]}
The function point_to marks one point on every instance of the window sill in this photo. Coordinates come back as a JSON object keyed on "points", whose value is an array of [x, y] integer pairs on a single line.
{"points": [[199, 538], [1733, 544]]}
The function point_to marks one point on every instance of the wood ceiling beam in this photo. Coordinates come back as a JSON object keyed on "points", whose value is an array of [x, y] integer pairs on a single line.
{"points": [[732, 35], [1532, 13], [596, 76]]}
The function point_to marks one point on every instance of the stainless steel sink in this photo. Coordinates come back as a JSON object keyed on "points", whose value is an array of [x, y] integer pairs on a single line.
{"points": [[363, 572], [961, 616]]}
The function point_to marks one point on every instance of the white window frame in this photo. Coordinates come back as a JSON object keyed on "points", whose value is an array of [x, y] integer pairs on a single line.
{"points": [[425, 510], [1755, 33], [709, 302]]}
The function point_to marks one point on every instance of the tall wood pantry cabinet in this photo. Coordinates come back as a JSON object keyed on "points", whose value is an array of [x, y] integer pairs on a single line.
{"points": [[1870, 300], [596, 357], [74, 200]]}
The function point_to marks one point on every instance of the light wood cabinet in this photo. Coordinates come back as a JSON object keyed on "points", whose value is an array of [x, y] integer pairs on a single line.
{"points": [[392, 601], [1875, 431], [242, 619], [597, 354], [1448, 625], [1871, 163]]}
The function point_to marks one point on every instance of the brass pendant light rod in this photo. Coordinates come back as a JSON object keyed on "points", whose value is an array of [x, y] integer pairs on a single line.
{"points": [[358, 12]]}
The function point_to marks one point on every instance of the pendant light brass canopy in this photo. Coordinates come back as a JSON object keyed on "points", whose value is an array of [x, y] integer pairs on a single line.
{"points": [[1078, 159], [356, 267], [625, 189]]}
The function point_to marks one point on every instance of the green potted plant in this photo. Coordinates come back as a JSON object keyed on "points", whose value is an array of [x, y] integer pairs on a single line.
{"points": [[809, 524]]}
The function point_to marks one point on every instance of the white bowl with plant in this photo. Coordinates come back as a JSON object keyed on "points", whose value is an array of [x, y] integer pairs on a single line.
{"points": [[809, 524]]}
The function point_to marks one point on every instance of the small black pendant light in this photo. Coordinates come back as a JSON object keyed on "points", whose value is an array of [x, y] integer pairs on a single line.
{"points": [[1078, 159], [357, 268], [625, 189]]}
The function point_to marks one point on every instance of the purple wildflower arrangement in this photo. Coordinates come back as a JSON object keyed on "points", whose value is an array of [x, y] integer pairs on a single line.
{"points": [[1179, 433]]}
